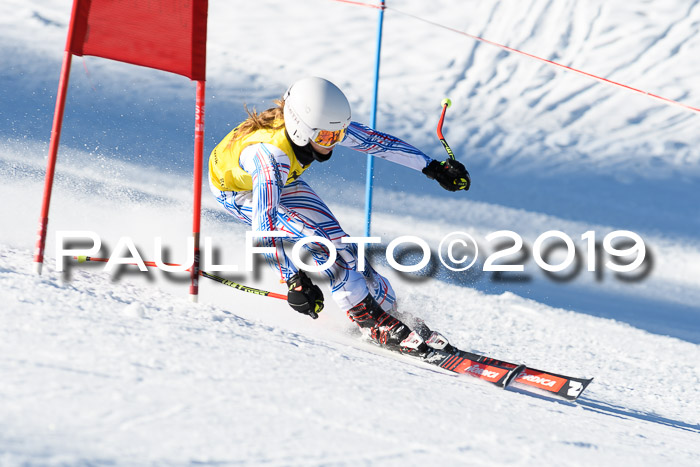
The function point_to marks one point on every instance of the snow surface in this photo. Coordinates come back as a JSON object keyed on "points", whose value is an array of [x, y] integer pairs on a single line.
{"points": [[122, 369]]}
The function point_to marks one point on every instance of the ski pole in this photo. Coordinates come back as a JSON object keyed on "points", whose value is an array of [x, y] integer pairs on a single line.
{"points": [[214, 277], [446, 102], [242, 287]]}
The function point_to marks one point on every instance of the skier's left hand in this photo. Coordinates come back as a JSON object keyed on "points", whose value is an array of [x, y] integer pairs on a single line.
{"points": [[450, 174]]}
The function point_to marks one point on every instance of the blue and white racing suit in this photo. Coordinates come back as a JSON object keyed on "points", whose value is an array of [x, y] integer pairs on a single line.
{"points": [[294, 208]]}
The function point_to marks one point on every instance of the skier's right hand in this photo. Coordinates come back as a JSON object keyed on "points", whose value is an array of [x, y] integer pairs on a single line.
{"points": [[303, 295]]}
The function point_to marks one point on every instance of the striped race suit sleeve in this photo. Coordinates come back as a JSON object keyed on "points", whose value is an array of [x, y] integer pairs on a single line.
{"points": [[269, 168], [364, 139]]}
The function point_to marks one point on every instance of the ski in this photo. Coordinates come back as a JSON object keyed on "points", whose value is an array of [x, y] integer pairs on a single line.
{"points": [[503, 373], [566, 387], [458, 361]]}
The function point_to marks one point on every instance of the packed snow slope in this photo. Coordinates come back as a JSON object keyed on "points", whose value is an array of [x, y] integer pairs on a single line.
{"points": [[100, 368], [98, 371]]}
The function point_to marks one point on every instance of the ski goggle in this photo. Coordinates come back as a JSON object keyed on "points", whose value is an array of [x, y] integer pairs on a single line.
{"points": [[328, 138]]}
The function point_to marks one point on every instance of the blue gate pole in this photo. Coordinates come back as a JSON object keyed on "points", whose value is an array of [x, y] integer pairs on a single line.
{"points": [[373, 124]]}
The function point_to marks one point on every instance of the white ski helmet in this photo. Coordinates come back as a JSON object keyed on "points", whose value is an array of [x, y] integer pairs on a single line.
{"points": [[316, 110]]}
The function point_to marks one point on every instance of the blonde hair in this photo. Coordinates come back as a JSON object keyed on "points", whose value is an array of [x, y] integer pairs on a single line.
{"points": [[270, 119]]}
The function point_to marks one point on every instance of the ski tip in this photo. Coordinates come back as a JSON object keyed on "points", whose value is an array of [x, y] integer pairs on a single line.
{"points": [[577, 392]]}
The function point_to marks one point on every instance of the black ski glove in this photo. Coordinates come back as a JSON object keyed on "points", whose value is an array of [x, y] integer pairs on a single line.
{"points": [[450, 174], [303, 295]]}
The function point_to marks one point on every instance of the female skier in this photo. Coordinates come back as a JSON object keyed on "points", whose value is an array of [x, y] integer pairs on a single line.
{"points": [[254, 173]]}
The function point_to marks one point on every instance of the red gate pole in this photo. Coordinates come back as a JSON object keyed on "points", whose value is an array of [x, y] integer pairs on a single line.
{"points": [[53, 147], [197, 209]]}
